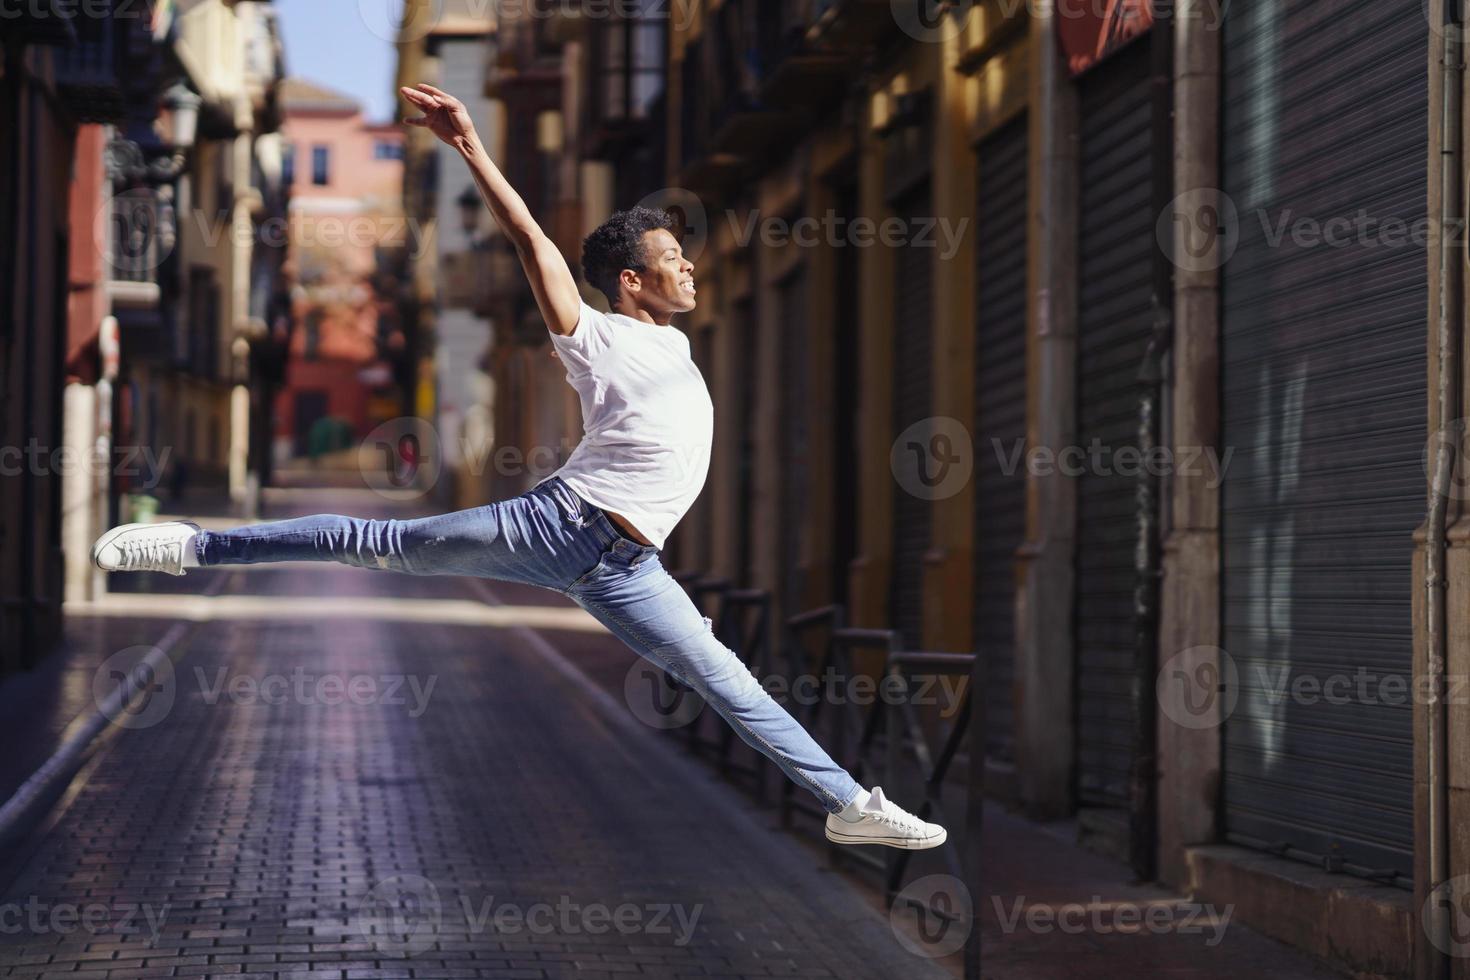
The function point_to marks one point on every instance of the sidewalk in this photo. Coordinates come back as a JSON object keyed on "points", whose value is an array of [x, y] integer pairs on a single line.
{"points": [[476, 812], [483, 805]]}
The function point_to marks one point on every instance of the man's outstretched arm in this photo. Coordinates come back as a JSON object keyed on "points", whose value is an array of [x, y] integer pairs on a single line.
{"points": [[551, 280]]}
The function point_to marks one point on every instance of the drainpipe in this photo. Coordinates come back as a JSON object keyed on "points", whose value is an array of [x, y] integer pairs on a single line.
{"points": [[1143, 776], [1451, 288]]}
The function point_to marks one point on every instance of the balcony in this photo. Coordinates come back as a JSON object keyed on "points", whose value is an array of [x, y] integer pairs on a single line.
{"points": [[759, 72], [141, 239], [483, 278], [850, 25], [88, 73]]}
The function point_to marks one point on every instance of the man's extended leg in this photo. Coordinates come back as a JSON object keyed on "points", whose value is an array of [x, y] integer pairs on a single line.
{"points": [[644, 607], [524, 539]]}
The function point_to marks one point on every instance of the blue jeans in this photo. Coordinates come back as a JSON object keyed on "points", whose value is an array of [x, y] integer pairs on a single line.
{"points": [[552, 538]]}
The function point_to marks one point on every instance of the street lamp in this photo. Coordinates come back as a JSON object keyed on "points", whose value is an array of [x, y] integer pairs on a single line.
{"points": [[470, 207], [125, 160]]}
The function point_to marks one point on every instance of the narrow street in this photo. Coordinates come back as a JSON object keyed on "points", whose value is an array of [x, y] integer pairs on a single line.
{"points": [[351, 774]]}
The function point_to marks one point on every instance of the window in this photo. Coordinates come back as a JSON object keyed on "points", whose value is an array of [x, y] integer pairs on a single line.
{"points": [[387, 150], [632, 55], [321, 165], [288, 164], [313, 335]]}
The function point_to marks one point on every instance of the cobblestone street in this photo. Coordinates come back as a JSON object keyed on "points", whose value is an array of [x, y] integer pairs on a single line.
{"points": [[351, 774]]}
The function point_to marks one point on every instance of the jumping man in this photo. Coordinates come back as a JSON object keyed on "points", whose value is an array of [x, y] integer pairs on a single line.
{"points": [[593, 530]]}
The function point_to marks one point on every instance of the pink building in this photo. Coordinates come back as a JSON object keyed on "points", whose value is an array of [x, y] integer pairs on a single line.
{"points": [[346, 228]]}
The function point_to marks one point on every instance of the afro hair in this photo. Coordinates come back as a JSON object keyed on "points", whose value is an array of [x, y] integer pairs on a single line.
{"points": [[618, 244]]}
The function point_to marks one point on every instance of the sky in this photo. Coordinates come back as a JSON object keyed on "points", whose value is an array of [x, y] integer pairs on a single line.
{"points": [[344, 45]]}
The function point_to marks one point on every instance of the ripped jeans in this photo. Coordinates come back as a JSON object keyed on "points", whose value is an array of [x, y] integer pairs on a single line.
{"points": [[552, 538]]}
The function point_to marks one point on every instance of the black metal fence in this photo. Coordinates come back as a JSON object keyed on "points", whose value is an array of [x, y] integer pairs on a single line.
{"points": [[894, 738]]}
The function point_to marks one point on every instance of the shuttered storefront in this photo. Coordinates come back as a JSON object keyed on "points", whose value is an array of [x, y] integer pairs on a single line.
{"points": [[1000, 417], [1116, 229], [1324, 378], [913, 290], [795, 448]]}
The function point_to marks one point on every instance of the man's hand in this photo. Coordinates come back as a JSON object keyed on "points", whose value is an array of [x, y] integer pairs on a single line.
{"points": [[551, 280], [443, 115]]}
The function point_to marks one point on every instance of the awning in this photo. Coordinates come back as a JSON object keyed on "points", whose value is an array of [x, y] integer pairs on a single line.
{"points": [[1090, 30]]}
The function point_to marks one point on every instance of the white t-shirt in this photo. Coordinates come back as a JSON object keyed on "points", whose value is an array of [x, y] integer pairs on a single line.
{"points": [[647, 417]]}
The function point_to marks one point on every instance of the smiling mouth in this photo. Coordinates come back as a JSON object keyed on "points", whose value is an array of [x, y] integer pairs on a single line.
{"points": [[687, 286]]}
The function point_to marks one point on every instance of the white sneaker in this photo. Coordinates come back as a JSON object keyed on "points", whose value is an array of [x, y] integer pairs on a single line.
{"points": [[145, 547], [885, 823]]}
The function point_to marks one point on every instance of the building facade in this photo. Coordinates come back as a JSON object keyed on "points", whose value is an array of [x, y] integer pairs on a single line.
{"points": [[348, 236], [1103, 346]]}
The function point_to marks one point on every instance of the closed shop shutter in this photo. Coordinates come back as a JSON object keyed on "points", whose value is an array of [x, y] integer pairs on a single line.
{"points": [[1000, 417], [912, 382], [1115, 317], [795, 450], [1324, 395]]}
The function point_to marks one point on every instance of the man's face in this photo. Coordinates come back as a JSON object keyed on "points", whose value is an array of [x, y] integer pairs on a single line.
{"points": [[666, 284]]}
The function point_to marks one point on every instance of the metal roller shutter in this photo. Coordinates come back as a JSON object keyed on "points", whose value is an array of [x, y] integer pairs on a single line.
{"points": [[1114, 322], [912, 383], [795, 450], [1324, 392], [1000, 417]]}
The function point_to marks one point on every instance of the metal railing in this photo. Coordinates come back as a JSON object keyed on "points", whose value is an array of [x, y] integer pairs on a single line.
{"points": [[887, 743]]}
